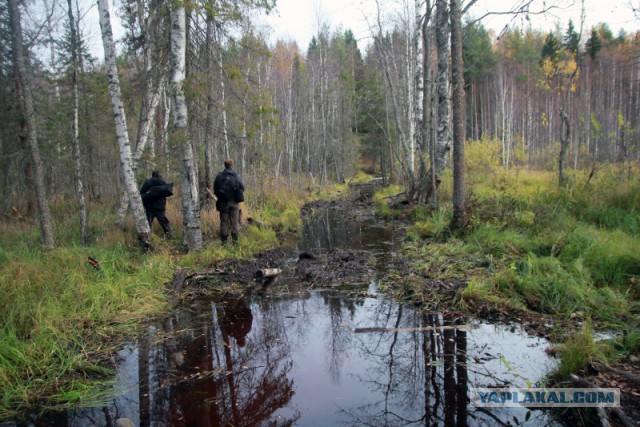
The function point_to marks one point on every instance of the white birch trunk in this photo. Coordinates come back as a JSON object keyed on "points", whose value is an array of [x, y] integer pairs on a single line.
{"points": [[419, 72], [75, 142], [443, 144], [144, 131], [393, 95], [210, 120], [410, 65], [192, 231], [166, 118], [225, 131], [126, 160], [150, 101]]}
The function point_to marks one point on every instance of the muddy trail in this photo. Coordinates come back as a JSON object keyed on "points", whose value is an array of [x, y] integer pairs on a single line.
{"points": [[340, 247], [306, 335]]}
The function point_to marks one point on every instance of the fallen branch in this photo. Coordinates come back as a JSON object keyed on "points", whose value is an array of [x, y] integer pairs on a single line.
{"points": [[206, 275], [421, 329], [604, 418], [628, 375]]}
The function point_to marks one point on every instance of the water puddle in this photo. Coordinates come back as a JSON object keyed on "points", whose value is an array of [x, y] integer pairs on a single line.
{"points": [[319, 357]]}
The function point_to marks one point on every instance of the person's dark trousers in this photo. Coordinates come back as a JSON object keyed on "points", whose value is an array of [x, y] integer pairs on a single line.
{"points": [[229, 221], [162, 219]]}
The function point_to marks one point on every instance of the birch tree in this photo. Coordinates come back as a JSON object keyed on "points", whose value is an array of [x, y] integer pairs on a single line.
{"points": [[28, 123], [387, 61], [423, 92], [126, 160], [442, 145], [153, 85], [75, 139], [192, 232]]}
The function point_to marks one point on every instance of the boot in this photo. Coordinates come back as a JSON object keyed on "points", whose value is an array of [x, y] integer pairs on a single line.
{"points": [[224, 239], [234, 237]]}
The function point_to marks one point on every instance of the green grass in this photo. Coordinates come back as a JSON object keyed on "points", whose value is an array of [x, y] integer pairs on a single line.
{"points": [[579, 352], [59, 310], [570, 253], [63, 318], [430, 225], [382, 207]]}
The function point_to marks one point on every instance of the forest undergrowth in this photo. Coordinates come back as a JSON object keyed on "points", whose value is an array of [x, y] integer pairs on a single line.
{"points": [[65, 316], [571, 254]]}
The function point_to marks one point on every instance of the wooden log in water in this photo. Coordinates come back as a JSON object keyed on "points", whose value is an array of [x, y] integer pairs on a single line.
{"points": [[421, 329], [267, 272]]}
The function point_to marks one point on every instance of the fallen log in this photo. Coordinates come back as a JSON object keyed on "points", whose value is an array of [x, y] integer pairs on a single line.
{"points": [[196, 277], [420, 329], [628, 375], [178, 281], [267, 272], [269, 275], [602, 412], [206, 275]]}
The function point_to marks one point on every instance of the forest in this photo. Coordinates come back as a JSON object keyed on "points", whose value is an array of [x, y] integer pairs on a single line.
{"points": [[514, 158]]}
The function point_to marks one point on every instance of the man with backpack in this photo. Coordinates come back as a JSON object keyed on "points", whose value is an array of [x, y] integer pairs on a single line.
{"points": [[229, 190]]}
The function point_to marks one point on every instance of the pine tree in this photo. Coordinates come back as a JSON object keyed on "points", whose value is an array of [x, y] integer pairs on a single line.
{"points": [[551, 48], [572, 39], [594, 44]]}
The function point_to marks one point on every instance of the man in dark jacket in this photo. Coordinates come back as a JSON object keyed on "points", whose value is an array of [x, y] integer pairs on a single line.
{"points": [[154, 201], [229, 190]]}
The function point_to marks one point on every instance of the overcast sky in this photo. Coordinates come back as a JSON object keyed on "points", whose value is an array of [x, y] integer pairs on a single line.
{"points": [[300, 19]]}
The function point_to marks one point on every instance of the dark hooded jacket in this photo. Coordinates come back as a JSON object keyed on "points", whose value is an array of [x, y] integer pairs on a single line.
{"points": [[159, 203]]}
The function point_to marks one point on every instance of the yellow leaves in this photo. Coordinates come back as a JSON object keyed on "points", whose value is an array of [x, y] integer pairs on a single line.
{"points": [[568, 67], [549, 68], [560, 75], [621, 121]]}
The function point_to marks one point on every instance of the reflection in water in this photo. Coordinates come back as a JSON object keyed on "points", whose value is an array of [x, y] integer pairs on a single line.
{"points": [[274, 361], [330, 229], [295, 359]]}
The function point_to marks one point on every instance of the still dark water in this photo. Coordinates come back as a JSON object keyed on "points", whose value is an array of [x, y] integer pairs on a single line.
{"points": [[292, 357]]}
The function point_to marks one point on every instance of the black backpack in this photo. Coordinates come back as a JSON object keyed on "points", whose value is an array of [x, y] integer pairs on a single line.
{"points": [[224, 186]]}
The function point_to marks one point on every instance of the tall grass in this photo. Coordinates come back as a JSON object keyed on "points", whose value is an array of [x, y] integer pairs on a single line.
{"points": [[532, 246], [62, 317], [580, 351]]}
